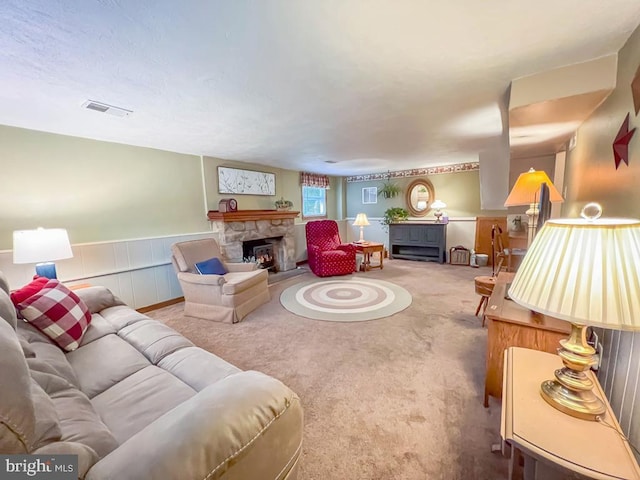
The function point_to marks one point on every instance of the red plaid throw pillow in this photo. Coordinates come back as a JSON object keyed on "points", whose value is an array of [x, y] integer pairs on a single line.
{"points": [[59, 313], [25, 292]]}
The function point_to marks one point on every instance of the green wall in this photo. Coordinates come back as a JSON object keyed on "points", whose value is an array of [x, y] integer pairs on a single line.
{"points": [[460, 191], [102, 191], [96, 190], [287, 186]]}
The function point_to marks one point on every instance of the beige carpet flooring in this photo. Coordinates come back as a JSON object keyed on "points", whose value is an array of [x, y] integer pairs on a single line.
{"points": [[393, 398]]}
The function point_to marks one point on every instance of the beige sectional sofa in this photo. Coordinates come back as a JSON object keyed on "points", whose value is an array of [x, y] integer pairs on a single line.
{"points": [[137, 400]]}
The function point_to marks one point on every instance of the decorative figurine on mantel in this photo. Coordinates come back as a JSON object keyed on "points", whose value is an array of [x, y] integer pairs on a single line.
{"points": [[283, 205]]}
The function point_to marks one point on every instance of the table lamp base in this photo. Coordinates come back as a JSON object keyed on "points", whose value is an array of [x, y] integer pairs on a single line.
{"points": [[571, 391], [46, 270], [579, 404]]}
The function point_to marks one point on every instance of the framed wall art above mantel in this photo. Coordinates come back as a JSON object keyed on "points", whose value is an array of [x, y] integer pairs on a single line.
{"points": [[246, 182]]}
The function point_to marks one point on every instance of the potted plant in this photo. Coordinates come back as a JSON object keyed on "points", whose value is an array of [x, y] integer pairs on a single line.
{"points": [[283, 204], [389, 189], [393, 215]]}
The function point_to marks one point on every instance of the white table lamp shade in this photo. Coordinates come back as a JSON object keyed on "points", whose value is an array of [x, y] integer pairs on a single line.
{"points": [[437, 204], [41, 245], [583, 271], [361, 220]]}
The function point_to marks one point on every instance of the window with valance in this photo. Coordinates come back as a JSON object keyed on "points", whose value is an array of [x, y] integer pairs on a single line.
{"points": [[314, 180], [314, 195]]}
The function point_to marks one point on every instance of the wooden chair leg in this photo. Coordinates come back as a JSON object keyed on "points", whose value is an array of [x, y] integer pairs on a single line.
{"points": [[484, 301], [484, 309], [479, 305]]}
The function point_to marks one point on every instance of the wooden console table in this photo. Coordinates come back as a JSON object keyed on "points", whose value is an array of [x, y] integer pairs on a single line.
{"points": [[546, 436], [510, 325]]}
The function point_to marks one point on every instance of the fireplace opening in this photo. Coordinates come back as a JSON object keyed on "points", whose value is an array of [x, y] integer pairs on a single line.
{"points": [[264, 256], [262, 252]]}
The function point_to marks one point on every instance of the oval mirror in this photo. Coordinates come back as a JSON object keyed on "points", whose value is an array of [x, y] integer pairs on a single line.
{"points": [[419, 196]]}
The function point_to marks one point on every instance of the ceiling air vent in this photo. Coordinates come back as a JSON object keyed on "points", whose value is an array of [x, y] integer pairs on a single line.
{"points": [[105, 108]]}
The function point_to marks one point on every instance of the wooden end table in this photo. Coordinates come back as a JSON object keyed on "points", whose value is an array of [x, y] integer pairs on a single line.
{"points": [[367, 249]]}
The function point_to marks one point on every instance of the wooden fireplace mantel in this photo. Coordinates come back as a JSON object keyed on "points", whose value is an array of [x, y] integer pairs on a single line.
{"points": [[250, 215]]}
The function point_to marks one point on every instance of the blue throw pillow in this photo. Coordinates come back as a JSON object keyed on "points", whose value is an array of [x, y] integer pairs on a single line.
{"points": [[213, 266]]}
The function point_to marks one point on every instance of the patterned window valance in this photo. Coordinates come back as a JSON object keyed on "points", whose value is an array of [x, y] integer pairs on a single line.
{"points": [[314, 180]]}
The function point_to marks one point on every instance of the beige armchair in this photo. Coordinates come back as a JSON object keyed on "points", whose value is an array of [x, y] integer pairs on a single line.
{"points": [[223, 298]]}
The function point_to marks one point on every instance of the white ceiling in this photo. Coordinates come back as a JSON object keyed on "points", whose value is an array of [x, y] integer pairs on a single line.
{"points": [[371, 85]]}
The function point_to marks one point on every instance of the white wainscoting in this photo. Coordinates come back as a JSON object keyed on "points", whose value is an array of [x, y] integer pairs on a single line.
{"points": [[139, 271], [618, 374]]}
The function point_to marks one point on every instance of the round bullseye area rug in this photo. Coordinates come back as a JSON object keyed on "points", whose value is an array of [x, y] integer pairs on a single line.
{"points": [[351, 299]]}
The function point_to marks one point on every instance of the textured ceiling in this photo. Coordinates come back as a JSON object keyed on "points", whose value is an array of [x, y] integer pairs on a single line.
{"points": [[371, 85]]}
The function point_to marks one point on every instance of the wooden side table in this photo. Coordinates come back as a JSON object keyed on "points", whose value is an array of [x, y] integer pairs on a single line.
{"points": [[545, 436], [367, 249], [510, 325]]}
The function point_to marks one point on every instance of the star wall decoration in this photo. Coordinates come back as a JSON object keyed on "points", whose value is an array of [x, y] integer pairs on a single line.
{"points": [[621, 143]]}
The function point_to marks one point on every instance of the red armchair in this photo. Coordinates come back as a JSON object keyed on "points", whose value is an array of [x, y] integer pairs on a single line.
{"points": [[327, 254]]}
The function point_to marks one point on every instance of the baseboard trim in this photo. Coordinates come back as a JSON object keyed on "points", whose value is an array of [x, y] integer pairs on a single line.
{"points": [[156, 306]]}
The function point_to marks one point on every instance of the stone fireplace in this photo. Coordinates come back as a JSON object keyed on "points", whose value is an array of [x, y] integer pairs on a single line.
{"points": [[271, 226]]}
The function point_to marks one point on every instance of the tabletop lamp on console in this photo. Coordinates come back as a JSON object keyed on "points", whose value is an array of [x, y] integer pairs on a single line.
{"points": [[361, 221], [586, 272], [526, 191], [438, 205], [41, 246]]}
